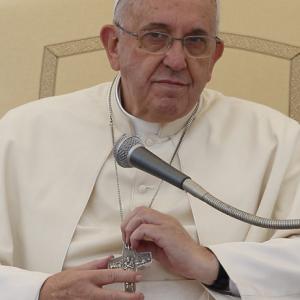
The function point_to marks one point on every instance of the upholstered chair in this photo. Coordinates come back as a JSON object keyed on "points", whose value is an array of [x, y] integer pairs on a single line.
{"points": [[52, 47]]}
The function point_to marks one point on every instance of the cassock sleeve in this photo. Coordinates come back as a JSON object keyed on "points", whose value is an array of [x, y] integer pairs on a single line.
{"points": [[15, 283], [260, 271], [20, 284], [269, 269]]}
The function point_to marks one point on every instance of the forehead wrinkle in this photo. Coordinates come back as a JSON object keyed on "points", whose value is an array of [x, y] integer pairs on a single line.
{"points": [[130, 7], [146, 8], [166, 27]]}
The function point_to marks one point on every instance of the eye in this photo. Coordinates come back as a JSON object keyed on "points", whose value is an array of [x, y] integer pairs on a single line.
{"points": [[197, 45], [154, 41], [154, 35], [196, 39]]}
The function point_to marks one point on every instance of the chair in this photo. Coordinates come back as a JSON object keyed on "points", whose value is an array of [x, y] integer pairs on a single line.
{"points": [[51, 47], [28, 28], [262, 57]]}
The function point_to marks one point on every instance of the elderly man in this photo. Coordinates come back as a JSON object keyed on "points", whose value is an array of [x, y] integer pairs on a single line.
{"points": [[63, 199]]}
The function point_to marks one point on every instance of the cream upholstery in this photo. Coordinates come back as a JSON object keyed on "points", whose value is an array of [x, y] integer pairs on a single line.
{"points": [[262, 58], [51, 47], [28, 26]]}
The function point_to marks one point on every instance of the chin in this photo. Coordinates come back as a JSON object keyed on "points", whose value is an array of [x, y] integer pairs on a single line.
{"points": [[166, 109], [167, 114]]}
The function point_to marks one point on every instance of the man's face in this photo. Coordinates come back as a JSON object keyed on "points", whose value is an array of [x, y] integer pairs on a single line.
{"points": [[162, 88]]}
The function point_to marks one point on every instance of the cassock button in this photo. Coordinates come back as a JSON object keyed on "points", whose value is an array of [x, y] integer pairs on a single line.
{"points": [[149, 142], [142, 189]]}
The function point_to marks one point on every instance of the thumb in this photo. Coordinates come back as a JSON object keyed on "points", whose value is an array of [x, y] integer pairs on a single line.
{"points": [[95, 264]]}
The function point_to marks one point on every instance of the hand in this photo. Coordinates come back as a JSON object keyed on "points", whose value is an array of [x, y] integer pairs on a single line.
{"points": [[148, 230], [86, 281]]}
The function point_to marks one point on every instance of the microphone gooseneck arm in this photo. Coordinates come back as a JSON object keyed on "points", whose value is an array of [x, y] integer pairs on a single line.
{"points": [[197, 191], [130, 152]]}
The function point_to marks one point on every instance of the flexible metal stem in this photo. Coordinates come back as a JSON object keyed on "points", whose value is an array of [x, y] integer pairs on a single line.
{"points": [[196, 190]]}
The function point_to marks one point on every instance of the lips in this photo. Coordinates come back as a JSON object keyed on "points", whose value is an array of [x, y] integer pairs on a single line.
{"points": [[171, 82]]}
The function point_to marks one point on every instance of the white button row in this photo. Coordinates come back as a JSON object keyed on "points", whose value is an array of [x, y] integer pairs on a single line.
{"points": [[149, 142], [144, 188]]}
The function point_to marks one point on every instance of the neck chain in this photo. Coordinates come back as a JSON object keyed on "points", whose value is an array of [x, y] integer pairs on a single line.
{"points": [[111, 124]]}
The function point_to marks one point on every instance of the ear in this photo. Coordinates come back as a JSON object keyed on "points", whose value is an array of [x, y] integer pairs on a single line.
{"points": [[109, 39], [216, 56], [219, 50]]}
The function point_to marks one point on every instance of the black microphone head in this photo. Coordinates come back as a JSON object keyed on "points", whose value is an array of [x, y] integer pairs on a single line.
{"points": [[122, 148]]}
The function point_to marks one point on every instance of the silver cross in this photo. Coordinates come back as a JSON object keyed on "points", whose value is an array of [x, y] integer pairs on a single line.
{"points": [[130, 261]]}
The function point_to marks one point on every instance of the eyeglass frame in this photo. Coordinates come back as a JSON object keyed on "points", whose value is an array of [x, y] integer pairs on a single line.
{"points": [[138, 36]]}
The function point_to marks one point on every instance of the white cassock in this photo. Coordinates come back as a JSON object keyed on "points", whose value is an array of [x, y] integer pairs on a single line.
{"points": [[58, 197]]}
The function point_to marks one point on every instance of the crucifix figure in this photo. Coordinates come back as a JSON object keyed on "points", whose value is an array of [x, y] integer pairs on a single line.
{"points": [[131, 261]]}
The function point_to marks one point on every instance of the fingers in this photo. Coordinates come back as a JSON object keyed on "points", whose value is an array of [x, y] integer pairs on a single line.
{"points": [[95, 264], [139, 216], [147, 232], [127, 230], [88, 284], [104, 277]]}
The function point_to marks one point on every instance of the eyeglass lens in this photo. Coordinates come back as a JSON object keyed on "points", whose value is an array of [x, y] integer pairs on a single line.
{"points": [[196, 46]]}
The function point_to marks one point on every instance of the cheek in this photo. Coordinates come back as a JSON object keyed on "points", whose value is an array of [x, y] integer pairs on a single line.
{"points": [[135, 60], [139, 69], [201, 72], [129, 64], [211, 66]]}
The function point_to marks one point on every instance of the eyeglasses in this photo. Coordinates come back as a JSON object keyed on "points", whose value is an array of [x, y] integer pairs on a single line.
{"points": [[196, 46]]}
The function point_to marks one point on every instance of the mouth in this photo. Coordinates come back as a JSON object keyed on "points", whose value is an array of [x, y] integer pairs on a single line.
{"points": [[171, 82]]}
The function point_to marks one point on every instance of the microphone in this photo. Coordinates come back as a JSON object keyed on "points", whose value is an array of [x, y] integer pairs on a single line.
{"points": [[130, 152]]}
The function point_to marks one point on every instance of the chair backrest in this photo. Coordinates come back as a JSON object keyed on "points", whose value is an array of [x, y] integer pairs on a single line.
{"points": [[51, 47], [262, 56], [28, 28]]}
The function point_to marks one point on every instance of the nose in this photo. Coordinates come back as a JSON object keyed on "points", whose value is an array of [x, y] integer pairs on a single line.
{"points": [[175, 57]]}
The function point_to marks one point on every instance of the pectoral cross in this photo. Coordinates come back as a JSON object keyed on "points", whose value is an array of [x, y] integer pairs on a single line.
{"points": [[131, 261]]}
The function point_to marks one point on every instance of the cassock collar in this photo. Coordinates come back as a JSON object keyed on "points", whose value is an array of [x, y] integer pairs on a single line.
{"points": [[132, 125]]}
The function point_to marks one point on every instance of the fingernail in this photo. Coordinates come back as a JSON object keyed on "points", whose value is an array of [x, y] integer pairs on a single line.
{"points": [[141, 296]]}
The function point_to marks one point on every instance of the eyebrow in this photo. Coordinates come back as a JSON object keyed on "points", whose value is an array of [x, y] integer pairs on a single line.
{"points": [[152, 26], [163, 26]]}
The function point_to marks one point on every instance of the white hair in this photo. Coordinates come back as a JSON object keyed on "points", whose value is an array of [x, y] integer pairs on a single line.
{"points": [[120, 7]]}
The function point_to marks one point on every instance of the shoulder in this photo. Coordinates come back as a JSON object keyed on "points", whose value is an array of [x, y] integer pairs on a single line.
{"points": [[87, 104], [219, 108]]}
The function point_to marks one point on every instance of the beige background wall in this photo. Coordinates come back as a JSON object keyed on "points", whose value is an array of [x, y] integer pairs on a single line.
{"points": [[50, 47], [27, 26], [248, 74]]}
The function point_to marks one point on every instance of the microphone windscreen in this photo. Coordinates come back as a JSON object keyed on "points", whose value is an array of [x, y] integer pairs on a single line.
{"points": [[122, 148]]}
